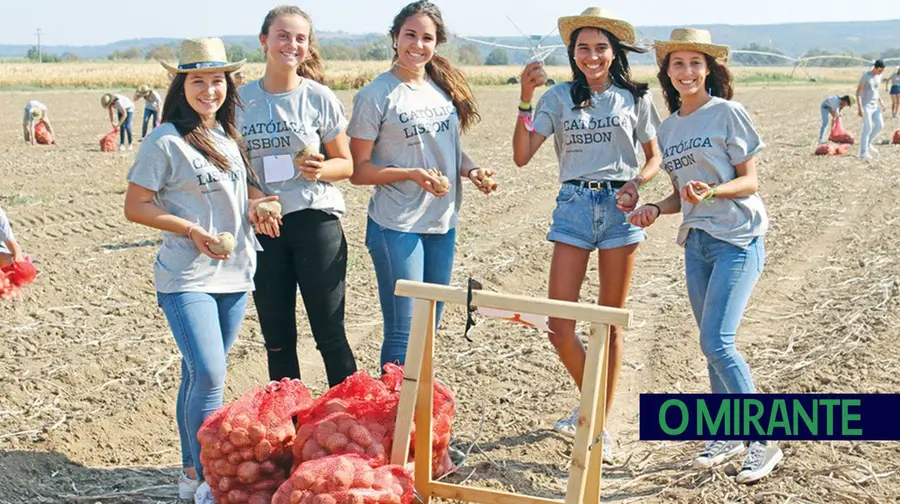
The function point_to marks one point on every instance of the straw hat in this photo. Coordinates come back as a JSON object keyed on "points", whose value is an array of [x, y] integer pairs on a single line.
{"points": [[106, 99], [202, 55], [143, 89], [690, 39], [37, 113], [596, 17]]}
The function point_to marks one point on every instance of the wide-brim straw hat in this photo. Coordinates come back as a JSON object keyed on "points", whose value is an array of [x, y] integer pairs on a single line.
{"points": [[596, 17], [143, 89], [203, 55], [106, 99], [690, 39], [36, 113]]}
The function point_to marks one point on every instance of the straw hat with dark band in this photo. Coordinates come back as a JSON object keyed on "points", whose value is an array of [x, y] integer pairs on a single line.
{"points": [[596, 17], [690, 39], [203, 55]]}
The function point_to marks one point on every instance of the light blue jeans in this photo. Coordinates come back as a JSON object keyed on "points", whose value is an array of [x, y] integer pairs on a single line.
{"points": [[873, 122], [411, 256], [720, 279], [205, 327], [826, 116]]}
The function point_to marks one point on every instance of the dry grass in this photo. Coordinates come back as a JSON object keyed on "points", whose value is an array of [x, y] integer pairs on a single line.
{"points": [[342, 74]]}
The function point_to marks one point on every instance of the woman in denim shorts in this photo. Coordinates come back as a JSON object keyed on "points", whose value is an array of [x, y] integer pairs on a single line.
{"points": [[600, 121]]}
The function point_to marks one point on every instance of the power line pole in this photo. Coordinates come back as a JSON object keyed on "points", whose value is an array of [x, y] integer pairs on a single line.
{"points": [[40, 57]]}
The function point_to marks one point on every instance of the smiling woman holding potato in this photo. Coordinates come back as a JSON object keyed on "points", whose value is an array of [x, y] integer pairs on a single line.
{"points": [[190, 180]]}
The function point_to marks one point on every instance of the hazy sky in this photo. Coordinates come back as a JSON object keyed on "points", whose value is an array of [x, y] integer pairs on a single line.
{"points": [[94, 22]]}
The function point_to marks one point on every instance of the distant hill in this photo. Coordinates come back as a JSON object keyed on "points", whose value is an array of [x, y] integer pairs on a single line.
{"points": [[792, 39]]}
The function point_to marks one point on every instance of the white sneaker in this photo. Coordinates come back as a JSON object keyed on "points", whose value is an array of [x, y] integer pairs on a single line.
{"points": [[204, 495], [187, 487], [872, 149], [121, 148], [567, 425], [760, 460], [865, 156], [717, 452], [129, 146], [607, 448]]}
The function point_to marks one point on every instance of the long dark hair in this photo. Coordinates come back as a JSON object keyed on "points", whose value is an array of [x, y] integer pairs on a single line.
{"points": [[440, 70], [312, 67], [178, 111], [619, 71], [718, 83]]}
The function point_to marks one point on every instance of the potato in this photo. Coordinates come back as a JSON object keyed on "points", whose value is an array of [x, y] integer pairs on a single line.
{"points": [[320, 485], [353, 498], [389, 498], [262, 451], [269, 209], [302, 480], [260, 498], [234, 458], [376, 451], [238, 496], [360, 435], [310, 449], [323, 430], [224, 247], [377, 431], [307, 150], [223, 468], [269, 467], [239, 437], [304, 432], [225, 483], [336, 443], [257, 433], [443, 184], [247, 454], [345, 425], [248, 472], [355, 448], [363, 479], [225, 429], [489, 183], [625, 199], [227, 447], [296, 497], [340, 481], [326, 499], [266, 484]]}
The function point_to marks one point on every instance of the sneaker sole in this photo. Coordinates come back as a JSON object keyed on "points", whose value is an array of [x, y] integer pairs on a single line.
{"points": [[699, 464], [763, 471]]}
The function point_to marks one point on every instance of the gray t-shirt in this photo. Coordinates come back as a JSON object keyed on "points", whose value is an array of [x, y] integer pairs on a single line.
{"points": [[152, 100], [6, 233], [600, 142], [275, 124], [832, 103], [706, 146], [33, 105], [412, 127], [123, 104], [870, 82], [190, 187]]}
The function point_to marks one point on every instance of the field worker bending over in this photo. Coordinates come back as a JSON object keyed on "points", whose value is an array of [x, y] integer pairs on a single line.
{"points": [[10, 251], [35, 112], [289, 115], [831, 108], [600, 122], [709, 143], [870, 107], [124, 113], [190, 179], [152, 106]]}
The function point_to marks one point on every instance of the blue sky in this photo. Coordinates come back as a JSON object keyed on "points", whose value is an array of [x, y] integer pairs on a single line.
{"points": [[94, 22]]}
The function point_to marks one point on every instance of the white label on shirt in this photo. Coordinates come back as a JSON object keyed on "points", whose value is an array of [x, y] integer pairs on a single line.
{"points": [[278, 168]]}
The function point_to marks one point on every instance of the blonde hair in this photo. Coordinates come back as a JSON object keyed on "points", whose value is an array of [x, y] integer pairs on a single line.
{"points": [[312, 67]]}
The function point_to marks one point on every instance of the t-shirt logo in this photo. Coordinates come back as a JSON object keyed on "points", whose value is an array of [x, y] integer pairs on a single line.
{"points": [[272, 134], [677, 156], [582, 131]]}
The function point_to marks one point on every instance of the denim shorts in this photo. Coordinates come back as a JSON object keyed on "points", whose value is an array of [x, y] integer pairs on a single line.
{"points": [[588, 219], [895, 90]]}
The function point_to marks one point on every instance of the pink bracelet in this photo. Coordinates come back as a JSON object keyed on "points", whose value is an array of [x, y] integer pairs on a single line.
{"points": [[526, 118]]}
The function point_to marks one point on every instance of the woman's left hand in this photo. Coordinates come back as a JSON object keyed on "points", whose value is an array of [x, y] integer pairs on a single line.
{"points": [[627, 196], [694, 192], [310, 166], [483, 179], [269, 226]]}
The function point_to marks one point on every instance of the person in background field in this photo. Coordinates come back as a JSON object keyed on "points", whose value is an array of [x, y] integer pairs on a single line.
{"points": [[35, 112], [191, 180], [309, 249], [10, 251], [124, 113], [893, 85], [239, 79], [709, 145], [831, 108], [600, 123], [151, 108], [406, 122], [870, 108]]}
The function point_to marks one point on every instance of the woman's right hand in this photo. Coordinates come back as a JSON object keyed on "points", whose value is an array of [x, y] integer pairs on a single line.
{"points": [[532, 76], [202, 239], [644, 216], [426, 180]]}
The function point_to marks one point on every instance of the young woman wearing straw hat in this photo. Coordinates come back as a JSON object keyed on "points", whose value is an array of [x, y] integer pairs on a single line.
{"points": [[190, 179], [124, 113], [293, 127], [405, 138], [831, 108], [601, 122], [709, 144], [35, 113], [151, 109]]}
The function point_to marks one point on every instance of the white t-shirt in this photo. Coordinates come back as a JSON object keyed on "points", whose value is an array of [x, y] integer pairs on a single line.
{"points": [[600, 142], [6, 233], [123, 104], [705, 146], [33, 105], [152, 100], [870, 82], [190, 187]]}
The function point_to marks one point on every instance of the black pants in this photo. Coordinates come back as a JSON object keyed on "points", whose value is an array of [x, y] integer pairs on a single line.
{"points": [[310, 253]]}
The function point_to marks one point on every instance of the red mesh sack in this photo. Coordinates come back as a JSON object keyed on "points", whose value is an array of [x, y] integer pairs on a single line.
{"points": [[42, 134], [825, 150], [896, 139], [839, 134], [15, 276], [108, 143], [346, 479], [245, 446], [842, 149]]}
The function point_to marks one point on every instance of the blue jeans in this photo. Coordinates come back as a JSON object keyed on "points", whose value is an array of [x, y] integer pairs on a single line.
{"points": [[720, 278], [411, 256], [873, 122], [148, 114], [205, 327], [826, 115], [126, 126]]}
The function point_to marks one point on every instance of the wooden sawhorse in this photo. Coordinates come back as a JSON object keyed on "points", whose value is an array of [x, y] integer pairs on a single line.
{"points": [[418, 386]]}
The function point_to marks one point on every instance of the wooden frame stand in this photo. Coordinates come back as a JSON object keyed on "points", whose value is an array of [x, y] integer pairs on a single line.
{"points": [[418, 385]]}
